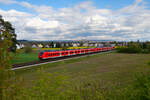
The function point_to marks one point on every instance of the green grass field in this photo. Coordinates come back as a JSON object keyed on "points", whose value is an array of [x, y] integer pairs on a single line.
{"points": [[110, 70], [24, 57], [109, 74]]}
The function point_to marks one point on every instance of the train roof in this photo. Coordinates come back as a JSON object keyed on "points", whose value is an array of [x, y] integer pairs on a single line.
{"points": [[58, 50], [61, 50]]}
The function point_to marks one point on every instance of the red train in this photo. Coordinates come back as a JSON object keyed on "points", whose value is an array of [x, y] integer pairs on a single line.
{"points": [[62, 53]]}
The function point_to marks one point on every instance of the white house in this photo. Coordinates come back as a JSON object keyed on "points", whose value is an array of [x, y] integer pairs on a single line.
{"points": [[54, 45], [86, 44], [67, 44], [22, 45], [18, 46], [34, 46], [75, 45], [40, 45], [47, 46], [100, 45]]}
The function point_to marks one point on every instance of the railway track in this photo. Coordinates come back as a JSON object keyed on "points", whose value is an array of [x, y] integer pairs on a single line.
{"points": [[36, 63]]}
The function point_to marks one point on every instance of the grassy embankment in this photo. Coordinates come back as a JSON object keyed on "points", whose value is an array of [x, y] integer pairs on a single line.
{"points": [[111, 72]]}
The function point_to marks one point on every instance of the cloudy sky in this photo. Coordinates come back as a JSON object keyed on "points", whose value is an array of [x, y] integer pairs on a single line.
{"points": [[122, 20]]}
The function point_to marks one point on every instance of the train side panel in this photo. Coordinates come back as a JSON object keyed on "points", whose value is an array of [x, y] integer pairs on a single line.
{"points": [[46, 55]]}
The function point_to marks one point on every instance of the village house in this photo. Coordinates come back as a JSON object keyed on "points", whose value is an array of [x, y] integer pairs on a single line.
{"points": [[54, 45], [40, 45], [47, 46], [34, 46], [74, 44], [85, 44], [18, 46]]}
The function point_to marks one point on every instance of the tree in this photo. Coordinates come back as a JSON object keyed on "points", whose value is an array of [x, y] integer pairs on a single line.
{"points": [[5, 66], [58, 45], [52, 44], [6, 26]]}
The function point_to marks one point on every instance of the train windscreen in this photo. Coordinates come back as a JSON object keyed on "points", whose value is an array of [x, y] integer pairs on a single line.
{"points": [[41, 53]]}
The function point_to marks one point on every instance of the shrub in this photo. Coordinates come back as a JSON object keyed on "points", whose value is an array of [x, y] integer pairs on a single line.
{"points": [[148, 48], [129, 50], [27, 49], [146, 51]]}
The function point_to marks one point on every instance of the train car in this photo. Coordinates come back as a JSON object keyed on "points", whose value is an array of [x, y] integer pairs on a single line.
{"points": [[62, 53], [72, 52], [82, 51]]}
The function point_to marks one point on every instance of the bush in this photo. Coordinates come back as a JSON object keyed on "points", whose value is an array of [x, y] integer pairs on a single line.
{"points": [[146, 51], [148, 48], [129, 50], [27, 49]]}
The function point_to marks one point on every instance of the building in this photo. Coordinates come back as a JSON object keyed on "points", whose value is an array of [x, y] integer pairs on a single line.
{"points": [[40, 45], [47, 46], [34, 46]]}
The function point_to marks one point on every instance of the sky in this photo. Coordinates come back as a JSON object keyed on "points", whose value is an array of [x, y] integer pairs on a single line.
{"points": [[119, 20]]}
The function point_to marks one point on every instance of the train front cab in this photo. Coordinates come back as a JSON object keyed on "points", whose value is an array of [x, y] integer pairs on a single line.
{"points": [[41, 55]]}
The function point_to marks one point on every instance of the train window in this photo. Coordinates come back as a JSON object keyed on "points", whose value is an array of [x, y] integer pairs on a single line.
{"points": [[41, 53]]}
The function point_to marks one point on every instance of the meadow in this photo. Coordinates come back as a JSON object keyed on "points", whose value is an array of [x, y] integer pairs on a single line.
{"points": [[102, 76]]}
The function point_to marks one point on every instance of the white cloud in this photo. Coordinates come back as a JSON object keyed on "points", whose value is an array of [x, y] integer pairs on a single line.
{"points": [[41, 24], [8, 1], [82, 21]]}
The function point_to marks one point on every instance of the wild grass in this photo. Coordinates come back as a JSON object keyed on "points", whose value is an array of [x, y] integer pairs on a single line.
{"points": [[100, 77]]}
